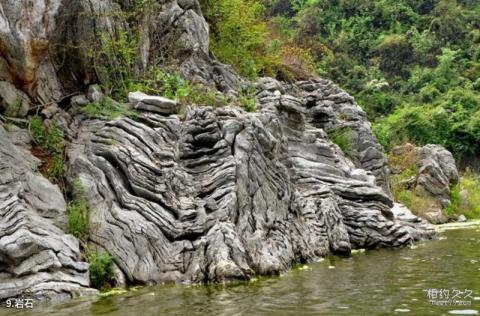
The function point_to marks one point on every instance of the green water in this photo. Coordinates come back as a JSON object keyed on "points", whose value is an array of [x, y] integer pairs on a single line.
{"points": [[383, 282]]}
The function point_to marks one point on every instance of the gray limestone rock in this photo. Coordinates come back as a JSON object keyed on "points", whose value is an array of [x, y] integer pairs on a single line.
{"points": [[435, 167], [14, 102], [223, 194], [436, 172], [37, 259]]}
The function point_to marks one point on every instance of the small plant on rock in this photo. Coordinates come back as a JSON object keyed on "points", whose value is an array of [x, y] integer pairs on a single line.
{"points": [[50, 144], [342, 139], [79, 214], [107, 110], [101, 269]]}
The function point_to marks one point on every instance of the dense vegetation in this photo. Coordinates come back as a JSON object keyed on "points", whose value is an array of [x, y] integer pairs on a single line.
{"points": [[414, 66]]}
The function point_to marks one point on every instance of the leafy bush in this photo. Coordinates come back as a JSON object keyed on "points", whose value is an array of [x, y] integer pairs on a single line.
{"points": [[343, 139], [465, 196], [237, 32], [419, 205], [101, 269], [115, 62], [36, 129], [395, 53], [78, 214], [51, 141], [240, 36]]}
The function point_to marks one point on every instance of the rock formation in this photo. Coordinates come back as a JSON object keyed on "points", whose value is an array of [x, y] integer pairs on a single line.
{"points": [[46, 45], [37, 258], [435, 172], [222, 194], [207, 196]]}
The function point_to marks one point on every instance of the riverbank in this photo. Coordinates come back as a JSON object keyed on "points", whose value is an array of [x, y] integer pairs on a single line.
{"points": [[373, 282]]}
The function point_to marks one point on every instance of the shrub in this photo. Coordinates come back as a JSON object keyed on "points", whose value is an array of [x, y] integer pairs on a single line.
{"points": [[395, 52], [237, 32], [343, 139], [465, 196], [51, 141], [247, 99], [199, 94], [78, 214], [36, 129], [101, 269], [115, 62], [419, 205]]}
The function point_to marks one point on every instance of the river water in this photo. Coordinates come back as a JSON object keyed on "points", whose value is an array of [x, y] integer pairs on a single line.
{"points": [[406, 281]]}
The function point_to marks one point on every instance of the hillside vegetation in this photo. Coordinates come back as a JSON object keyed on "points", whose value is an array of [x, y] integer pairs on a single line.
{"points": [[413, 65]]}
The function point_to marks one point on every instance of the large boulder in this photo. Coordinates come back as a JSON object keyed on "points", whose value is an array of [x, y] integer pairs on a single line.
{"points": [[37, 259], [437, 172], [223, 194], [428, 172], [434, 166]]}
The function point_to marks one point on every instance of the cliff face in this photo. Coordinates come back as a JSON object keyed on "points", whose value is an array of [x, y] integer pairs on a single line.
{"points": [[222, 194], [210, 195], [46, 45]]}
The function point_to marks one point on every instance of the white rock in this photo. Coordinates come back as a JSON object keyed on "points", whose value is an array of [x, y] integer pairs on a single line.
{"points": [[150, 103]]}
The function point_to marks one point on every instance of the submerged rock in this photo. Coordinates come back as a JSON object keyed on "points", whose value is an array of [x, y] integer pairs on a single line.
{"points": [[222, 194], [37, 259]]}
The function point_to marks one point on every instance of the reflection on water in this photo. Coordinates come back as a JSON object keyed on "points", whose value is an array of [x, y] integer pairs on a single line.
{"points": [[384, 282]]}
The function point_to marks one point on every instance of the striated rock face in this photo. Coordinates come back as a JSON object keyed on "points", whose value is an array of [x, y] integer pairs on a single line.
{"points": [[213, 195], [222, 194], [435, 169], [37, 259], [434, 173], [328, 107]]}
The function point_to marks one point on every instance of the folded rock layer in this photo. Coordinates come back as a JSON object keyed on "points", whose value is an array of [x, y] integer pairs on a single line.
{"points": [[221, 194], [37, 259]]}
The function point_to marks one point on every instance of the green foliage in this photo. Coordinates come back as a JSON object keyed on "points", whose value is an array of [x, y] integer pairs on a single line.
{"points": [[115, 61], [78, 214], [107, 110], [395, 54], [247, 100], [465, 196], [343, 139], [36, 129], [412, 65], [51, 141], [240, 36], [101, 269], [203, 96], [452, 122]]}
